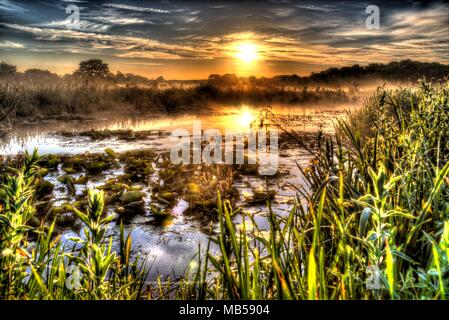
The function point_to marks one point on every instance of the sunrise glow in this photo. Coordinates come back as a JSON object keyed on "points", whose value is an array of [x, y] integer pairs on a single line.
{"points": [[246, 52]]}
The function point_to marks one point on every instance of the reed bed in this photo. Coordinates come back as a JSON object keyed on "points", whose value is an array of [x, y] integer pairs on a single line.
{"points": [[69, 99]]}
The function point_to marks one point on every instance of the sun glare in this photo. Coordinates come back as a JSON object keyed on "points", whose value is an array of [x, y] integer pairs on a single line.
{"points": [[246, 117], [246, 52]]}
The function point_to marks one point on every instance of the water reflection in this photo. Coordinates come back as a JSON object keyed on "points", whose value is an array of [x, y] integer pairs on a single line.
{"points": [[44, 135], [170, 247]]}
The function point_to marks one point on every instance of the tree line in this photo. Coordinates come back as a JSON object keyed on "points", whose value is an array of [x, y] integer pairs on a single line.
{"points": [[398, 71]]}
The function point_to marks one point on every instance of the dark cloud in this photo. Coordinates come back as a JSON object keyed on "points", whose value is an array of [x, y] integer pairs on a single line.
{"points": [[289, 33]]}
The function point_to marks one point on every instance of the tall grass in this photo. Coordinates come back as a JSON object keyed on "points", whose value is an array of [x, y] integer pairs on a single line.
{"points": [[372, 223], [47, 269], [65, 99], [9, 101]]}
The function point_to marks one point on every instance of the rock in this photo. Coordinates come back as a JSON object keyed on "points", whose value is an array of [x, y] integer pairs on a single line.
{"points": [[162, 200], [68, 181], [65, 219], [132, 208], [42, 172], [34, 221], [50, 162], [166, 174], [193, 188], [135, 206], [261, 195], [138, 169], [72, 165], [134, 188]]}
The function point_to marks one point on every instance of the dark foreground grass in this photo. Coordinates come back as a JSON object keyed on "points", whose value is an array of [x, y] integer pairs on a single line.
{"points": [[372, 223]]}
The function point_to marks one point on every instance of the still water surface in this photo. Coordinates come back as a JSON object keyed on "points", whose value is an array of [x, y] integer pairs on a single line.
{"points": [[169, 248]]}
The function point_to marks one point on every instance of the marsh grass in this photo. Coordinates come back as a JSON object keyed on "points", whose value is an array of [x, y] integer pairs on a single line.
{"points": [[9, 102], [66, 99], [372, 222], [45, 269]]}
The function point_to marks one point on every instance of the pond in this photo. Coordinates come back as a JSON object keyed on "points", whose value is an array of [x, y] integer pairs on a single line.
{"points": [[169, 246]]}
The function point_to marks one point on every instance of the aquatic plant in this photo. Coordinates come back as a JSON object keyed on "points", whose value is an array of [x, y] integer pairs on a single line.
{"points": [[48, 269], [371, 224]]}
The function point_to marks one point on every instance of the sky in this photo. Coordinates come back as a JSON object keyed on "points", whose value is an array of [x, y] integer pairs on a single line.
{"points": [[193, 39]]}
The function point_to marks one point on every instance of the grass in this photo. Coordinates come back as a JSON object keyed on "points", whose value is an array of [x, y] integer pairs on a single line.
{"points": [[67, 99], [46, 270], [8, 106], [371, 223]]}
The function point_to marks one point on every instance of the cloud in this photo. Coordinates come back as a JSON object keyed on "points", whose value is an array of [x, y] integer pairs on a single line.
{"points": [[314, 8], [84, 25], [126, 46], [134, 8], [11, 45], [121, 20], [143, 63], [283, 12], [224, 6], [285, 34], [11, 7]]}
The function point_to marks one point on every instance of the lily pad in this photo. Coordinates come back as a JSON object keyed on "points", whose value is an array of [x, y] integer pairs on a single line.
{"points": [[131, 196]]}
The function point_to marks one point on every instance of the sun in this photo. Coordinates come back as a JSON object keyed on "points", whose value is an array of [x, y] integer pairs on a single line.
{"points": [[246, 52]]}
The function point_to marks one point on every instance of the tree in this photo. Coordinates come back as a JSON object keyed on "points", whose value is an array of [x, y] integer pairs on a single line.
{"points": [[40, 75], [7, 69], [94, 69]]}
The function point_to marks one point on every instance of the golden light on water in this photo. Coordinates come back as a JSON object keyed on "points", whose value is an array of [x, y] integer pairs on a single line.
{"points": [[234, 118], [246, 52], [245, 117]]}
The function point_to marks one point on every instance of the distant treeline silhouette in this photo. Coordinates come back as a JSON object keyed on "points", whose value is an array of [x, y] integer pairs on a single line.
{"points": [[93, 88], [395, 71], [403, 71]]}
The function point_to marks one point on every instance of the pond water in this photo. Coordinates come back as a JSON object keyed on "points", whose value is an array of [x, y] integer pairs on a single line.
{"points": [[169, 247]]}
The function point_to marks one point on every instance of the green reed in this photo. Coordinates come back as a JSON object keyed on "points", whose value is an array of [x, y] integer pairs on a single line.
{"points": [[47, 269], [372, 222]]}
